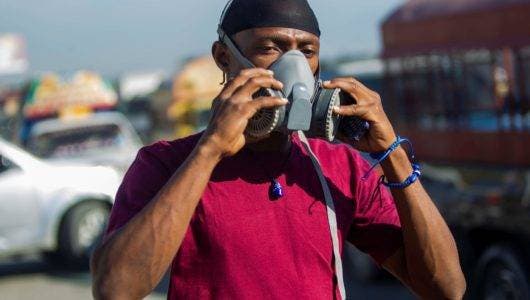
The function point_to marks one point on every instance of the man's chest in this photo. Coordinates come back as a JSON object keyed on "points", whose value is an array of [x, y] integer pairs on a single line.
{"points": [[238, 215]]}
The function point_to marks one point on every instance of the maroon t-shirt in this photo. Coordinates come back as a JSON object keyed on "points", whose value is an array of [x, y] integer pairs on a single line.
{"points": [[241, 244]]}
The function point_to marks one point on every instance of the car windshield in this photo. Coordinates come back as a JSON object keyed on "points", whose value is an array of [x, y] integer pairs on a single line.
{"points": [[76, 142]]}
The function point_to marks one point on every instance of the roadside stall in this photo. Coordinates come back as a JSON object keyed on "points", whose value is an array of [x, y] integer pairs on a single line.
{"points": [[51, 97], [194, 89]]}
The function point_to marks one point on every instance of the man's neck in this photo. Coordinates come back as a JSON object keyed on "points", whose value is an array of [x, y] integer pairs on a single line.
{"points": [[277, 142]]}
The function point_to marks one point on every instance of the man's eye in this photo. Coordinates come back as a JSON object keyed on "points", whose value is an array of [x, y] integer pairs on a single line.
{"points": [[308, 52], [267, 49]]}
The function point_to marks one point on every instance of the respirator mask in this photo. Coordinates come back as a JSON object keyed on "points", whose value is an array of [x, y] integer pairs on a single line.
{"points": [[310, 107]]}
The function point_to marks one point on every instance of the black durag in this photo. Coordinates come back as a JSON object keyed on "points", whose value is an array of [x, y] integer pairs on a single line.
{"points": [[247, 14]]}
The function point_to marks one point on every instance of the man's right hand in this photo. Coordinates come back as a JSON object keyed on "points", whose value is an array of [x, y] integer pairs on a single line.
{"points": [[234, 106]]}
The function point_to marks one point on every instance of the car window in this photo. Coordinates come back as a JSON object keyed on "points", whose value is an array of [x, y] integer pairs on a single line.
{"points": [[6, 164], [75, 142]]}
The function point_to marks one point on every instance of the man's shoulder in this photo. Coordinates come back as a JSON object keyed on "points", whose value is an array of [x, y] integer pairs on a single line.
{"points": [[172, 152]]}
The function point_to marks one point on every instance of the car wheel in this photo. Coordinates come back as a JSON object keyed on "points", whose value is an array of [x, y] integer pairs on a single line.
{"points": [[80, 231], [500, 274]]}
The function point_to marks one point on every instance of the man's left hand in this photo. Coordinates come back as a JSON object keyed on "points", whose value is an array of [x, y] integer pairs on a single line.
{"points": [[368, 107]]}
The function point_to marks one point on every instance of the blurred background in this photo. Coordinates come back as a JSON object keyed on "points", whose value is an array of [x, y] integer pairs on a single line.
{"points": [[85, 84]]}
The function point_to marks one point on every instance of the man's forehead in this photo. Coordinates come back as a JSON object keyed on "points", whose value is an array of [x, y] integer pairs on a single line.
{"points": [[278, 33]]}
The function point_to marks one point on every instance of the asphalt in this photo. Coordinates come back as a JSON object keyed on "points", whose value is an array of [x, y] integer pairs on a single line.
{"points": [[36, 279]]}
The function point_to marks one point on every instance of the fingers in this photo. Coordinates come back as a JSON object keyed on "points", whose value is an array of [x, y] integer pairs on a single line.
{"points": [[352, 110], [350, 81], [265, 102], [351, 86], [254, 84], [242, 78], [367, 101]]}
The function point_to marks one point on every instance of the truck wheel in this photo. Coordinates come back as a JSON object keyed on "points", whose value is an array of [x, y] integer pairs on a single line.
{"points": [[500, 274], [80, 231]]}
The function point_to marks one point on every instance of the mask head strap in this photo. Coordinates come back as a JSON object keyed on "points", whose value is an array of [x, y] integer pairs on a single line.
{"points": [[223, 37]]}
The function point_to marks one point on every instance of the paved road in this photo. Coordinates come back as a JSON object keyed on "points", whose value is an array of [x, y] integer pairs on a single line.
{"points": [[35, 279]]}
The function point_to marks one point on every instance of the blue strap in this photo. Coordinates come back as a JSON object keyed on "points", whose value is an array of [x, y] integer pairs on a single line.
{"points": [[381, 156]]}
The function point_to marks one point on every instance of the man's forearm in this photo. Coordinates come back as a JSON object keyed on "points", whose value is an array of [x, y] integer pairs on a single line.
{"points": [[131, 262], [430, 251]]}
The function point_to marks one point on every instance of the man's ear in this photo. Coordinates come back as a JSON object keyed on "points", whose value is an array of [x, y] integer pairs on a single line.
{"points": [[221, 56]]}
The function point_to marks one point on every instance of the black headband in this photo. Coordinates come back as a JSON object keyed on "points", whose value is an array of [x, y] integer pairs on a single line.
{"points": [[240, 15]]}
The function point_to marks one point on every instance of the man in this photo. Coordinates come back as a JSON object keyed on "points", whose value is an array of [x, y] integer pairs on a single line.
{"points": [[202, 204]]}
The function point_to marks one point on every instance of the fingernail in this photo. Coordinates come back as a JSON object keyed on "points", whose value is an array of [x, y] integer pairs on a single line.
{"points": [[327, 82], [285, 100], [336, 109], [270, 72]]}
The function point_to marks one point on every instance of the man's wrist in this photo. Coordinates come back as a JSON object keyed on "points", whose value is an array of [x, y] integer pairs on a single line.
{"points": [[397, 167], [207, 152]]}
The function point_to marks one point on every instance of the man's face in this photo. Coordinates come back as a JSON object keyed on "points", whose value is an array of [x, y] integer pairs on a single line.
{"points": [[263, 46]]}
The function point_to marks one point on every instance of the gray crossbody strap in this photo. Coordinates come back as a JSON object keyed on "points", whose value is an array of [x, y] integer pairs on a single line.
{"points": [[332, 217]]}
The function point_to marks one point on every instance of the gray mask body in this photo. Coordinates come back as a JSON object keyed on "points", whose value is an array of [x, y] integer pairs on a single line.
{"points": [[298, 80]]}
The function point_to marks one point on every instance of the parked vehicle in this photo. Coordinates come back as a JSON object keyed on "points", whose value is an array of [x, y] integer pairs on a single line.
{"points": [[103, 138], [57, 210], [456, 81]]}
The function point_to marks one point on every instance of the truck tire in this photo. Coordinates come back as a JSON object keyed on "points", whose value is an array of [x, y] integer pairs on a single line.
{"points": [[500, 274], [81, 229]]}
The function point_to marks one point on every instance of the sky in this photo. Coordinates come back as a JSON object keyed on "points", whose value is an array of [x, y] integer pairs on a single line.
{"points": [[118, 36]]}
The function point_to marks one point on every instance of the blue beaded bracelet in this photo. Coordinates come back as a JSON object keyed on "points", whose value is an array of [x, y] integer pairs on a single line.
{"points": [[381, 156], [416, 173]]}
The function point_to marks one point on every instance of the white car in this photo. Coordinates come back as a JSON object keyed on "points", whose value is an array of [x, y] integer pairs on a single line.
{"points": [[59, 210], [101, 139]]}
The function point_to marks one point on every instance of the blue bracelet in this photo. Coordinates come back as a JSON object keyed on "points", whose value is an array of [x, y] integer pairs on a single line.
{"points": [[381, 156], [416, 173]]}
